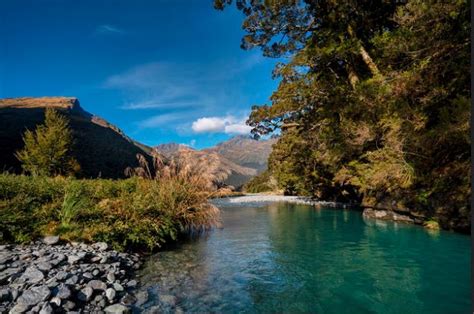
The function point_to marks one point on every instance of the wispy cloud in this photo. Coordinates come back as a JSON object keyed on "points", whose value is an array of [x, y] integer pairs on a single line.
{"points": [[108, 29], [227, 124], [184, 91]]}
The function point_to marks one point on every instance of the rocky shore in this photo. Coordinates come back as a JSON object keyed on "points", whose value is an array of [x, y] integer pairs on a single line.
{"points": [[49, 277]]}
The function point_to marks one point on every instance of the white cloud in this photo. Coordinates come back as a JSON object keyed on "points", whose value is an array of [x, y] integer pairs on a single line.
{"points": [[241, 129], [228, 125], [209, 125]]}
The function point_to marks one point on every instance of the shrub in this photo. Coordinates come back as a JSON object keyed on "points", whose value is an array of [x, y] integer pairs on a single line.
{"points": [[131, 214]]}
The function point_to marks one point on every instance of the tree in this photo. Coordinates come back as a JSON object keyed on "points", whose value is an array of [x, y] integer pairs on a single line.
{"points": [[47, 149], [373, 100]]}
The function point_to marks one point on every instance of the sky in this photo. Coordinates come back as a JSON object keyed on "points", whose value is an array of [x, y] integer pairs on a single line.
{"points": [[162, 71]]}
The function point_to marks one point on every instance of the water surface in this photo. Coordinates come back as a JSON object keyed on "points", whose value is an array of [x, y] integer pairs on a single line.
{"points": [[281, 257]]}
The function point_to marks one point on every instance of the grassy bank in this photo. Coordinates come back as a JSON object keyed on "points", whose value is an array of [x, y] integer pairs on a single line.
{"points": [[131, 214]]}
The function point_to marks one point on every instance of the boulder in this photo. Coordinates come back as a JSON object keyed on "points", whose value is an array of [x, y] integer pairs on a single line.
{"points": [[51, 240]]}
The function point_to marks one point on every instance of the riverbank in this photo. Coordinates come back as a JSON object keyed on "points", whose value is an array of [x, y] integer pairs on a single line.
{"points": [[49, 277]]}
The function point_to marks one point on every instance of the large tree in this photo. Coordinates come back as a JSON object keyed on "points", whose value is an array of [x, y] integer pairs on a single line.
{"points": [[373, 102], [47, 149]]}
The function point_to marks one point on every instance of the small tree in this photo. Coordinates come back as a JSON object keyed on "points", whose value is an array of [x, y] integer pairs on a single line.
{"points": [[47, 149]]}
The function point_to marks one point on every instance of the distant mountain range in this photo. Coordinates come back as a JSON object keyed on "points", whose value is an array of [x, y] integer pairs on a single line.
{"points": [[234, 161], [104, 150]]}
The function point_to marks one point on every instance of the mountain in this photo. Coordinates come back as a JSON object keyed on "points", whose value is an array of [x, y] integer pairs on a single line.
{"points": [[101, 148], [246, 151], [233, 162]]}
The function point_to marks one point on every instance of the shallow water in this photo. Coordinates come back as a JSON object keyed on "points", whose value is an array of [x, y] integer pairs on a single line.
{"points": [[281, 257]]}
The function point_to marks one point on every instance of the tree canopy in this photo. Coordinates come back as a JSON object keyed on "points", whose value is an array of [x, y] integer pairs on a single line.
{"points": [[47, 148], [373, 102]]}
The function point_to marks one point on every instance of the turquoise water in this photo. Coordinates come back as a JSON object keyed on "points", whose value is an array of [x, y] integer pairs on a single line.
{"points": [[288, 258]]}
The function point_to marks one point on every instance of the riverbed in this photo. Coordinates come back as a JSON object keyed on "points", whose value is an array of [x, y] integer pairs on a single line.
{"points": [[287, 256]]}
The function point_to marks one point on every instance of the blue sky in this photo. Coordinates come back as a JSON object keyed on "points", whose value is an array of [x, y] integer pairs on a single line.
{"points": [[162, 71]]}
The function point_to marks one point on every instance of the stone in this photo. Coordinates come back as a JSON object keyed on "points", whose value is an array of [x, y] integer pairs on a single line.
{"points": [[62, 292], [128, 299], [61, 275], [116, 309], [110, 294], [73, 280], [118, 287], [5, 257], [87, 275], [101, 246], [132, 283], [44, 266], [34, 295], [97, 285], [72, 259], [110, 277], [55, 300], [47, 309], [33, 275], [7, 273], [51, 240], [96, 272], [19, 308], [85, 294], [69, 305]]}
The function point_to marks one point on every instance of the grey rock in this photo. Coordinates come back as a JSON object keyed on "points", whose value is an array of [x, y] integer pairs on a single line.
{"points": [[34, 295], [62, 292], [69, 305], [101, 246], [96, 272], [85, 294], [73, 280], [72, 259], [87, 275], [128, 299], [116, 309], [19, 308], [132, 283], [110, 277], [118, 287], [55, 300], [110, 294], [33, 275], [51, 240], [14, 294], [97, 285], [61, 275], [5, 257], [44, 266], [7, 273], [47, 309]]}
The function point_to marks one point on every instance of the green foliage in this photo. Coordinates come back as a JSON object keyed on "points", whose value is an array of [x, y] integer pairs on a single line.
{"points": [[373, 104], [129, 214], [47, 149], [264, 182]]}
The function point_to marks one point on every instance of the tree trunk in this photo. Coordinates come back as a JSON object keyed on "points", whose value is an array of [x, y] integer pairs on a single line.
{"points": [[364, 54]]}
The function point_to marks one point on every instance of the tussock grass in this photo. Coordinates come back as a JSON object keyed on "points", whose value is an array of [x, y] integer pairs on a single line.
{"points": [[139, 213]]}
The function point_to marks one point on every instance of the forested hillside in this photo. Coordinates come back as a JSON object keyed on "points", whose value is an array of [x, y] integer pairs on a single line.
{"points": [[373, 102]]}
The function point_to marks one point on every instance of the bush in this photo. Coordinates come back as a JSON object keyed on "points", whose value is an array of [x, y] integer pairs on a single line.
{"points": [[131, 214]]}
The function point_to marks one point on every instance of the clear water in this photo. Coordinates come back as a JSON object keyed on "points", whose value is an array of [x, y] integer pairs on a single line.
{"points": [[289, 258]]}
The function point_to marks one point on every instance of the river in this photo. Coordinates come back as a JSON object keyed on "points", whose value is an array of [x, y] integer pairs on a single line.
{"points": [[294, 258]]}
